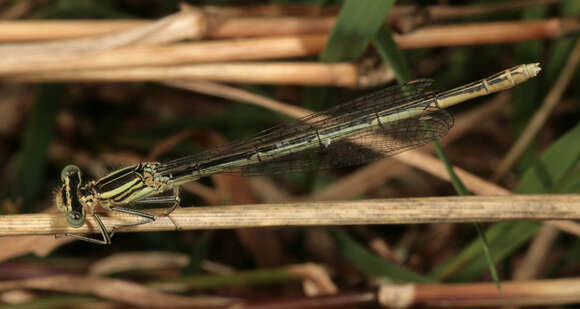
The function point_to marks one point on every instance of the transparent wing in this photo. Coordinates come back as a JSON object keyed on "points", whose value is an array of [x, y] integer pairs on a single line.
{"points": [[393, 137], [389, 97], [364, 147]]}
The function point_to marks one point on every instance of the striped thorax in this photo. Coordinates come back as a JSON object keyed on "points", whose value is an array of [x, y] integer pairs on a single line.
{"points": [[121, 187]]}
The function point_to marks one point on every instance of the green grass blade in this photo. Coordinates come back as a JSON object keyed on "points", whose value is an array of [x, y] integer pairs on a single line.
{"points": [[391, 54], [356, 25], [28, 167], [369, 263], [569, 183], [488, 257], [503, 238], [455, 264], [237, 279], [457, 184], [554, 164], [387, 47], [514, 236], [462, 190]]}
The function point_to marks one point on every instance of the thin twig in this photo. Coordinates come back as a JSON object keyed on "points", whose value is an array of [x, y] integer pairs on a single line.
{"points": [[541, 116], [392, 211]]}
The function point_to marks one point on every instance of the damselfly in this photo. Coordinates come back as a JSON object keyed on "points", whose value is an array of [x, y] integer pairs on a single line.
{"points": [[380, 124]]}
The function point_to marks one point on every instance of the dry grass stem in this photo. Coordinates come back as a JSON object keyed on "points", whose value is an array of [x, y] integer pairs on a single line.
{"points": [[183, 53], [361, 181], [567, 226], [434, 12], [458, 295], [250, 21], [23, 58], [182, 25], [392, 211], [28, 30], [473, 183], [118, 290], [541, 115], [268, 191], [281, 73], [25, 31], [442, 12], [165, 145], [526, 293], [271, 10], [436, 168], [128, 261], [239, 95], [316, 274], [487, 33], [531, 266], [265, 27]]}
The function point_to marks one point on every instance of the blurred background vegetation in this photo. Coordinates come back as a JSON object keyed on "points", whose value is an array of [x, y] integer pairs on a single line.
{"points": [[104, 125]]}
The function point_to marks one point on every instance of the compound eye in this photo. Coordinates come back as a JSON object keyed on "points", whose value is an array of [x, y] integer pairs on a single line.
{"points": [[68, 170], [75, 219]]}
